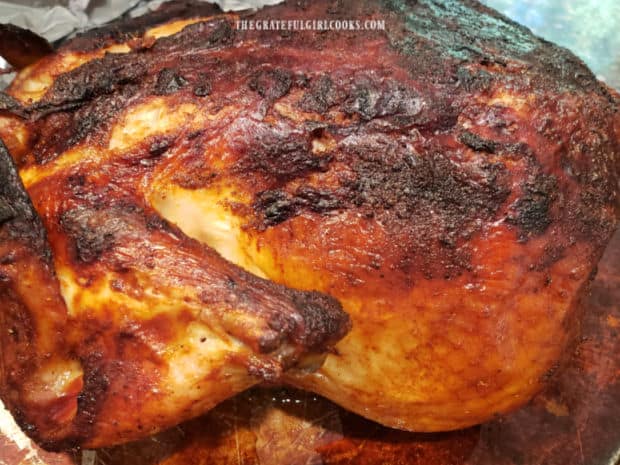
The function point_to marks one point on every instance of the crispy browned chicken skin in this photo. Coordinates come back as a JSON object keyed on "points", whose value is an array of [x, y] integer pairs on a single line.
{"points": [[451, 181]]}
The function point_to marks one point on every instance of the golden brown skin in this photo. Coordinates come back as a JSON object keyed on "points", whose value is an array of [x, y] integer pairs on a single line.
{"points": [[158, 328], [452, 181]]}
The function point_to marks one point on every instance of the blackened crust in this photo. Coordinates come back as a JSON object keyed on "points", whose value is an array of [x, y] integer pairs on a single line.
{"points": [[325, 322], [21, 47], [125, 29], [19, 222]]}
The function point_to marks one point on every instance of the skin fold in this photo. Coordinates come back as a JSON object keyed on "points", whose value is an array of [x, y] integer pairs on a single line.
{"points": [[212, 201]]}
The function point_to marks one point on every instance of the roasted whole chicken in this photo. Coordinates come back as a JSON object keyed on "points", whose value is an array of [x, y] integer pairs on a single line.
{"points": [[402, 220]]}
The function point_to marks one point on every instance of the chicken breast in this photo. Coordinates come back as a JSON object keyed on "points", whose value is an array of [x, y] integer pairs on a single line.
{"points": [[212, 195]]}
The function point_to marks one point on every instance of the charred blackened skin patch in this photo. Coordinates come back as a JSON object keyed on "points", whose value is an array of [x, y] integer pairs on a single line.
{"points": [[585, 212], [281, 156], [512, 150], [8, 103], [371, 98], [59, 129], [531, 211], [277, 205], [91, 117], [154, 222], [100, 222], [19, 220], [123, 30], [362, 101], [474, 80], [389, 176], [202, 91], [324, 323], [202, 87], [169, 82], [93, 231], [428, 197], [81, 101], [159, 146], [440, 38], [6, 211], [272, 84], [477, 143], [90, 235], [97, 77], [320, 96], [321, 328], [203, 35]]}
